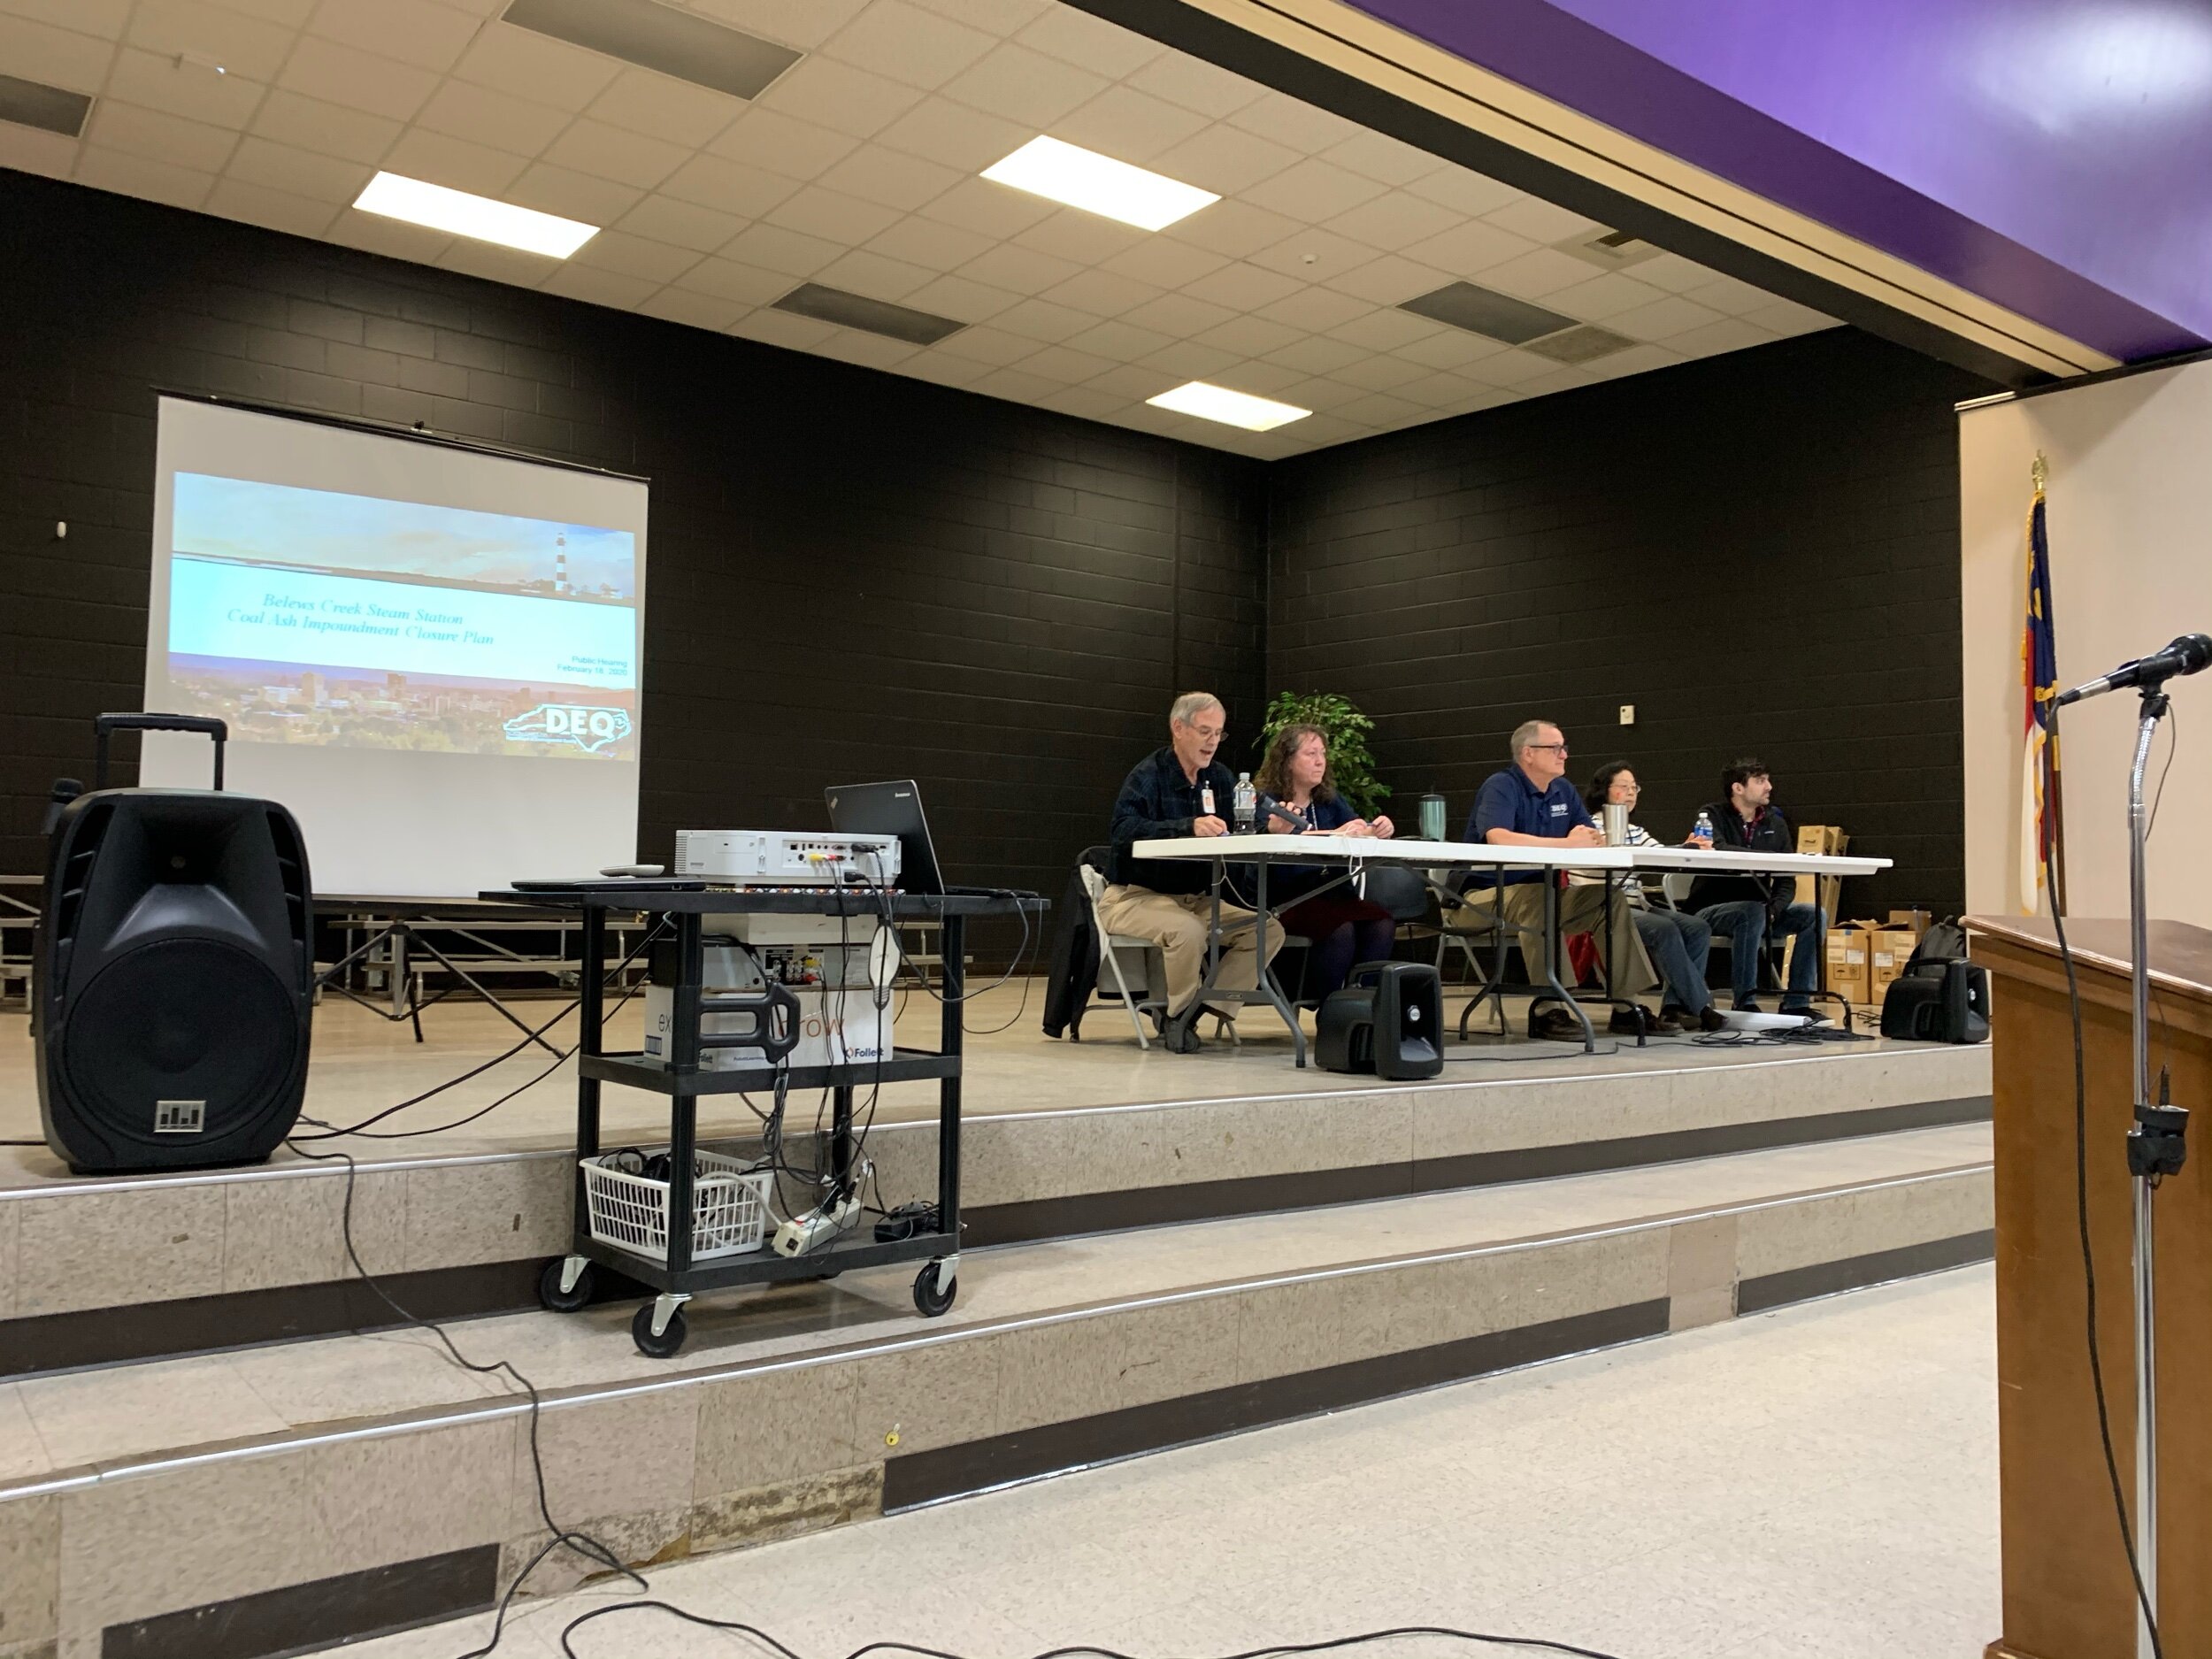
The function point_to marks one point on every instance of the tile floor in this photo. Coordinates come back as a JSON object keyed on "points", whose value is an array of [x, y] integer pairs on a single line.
{"points": [[1819, 1481]]}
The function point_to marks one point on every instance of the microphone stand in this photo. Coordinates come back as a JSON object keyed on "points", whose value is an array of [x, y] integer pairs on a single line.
{"points": [[2155, 1149]]}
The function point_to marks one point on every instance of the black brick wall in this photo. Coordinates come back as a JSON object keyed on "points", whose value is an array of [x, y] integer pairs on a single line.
{"points": [[1759, 550], [851, 574]]}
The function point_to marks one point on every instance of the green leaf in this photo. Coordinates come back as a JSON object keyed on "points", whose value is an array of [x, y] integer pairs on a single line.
{"points": [[1351, 763]]}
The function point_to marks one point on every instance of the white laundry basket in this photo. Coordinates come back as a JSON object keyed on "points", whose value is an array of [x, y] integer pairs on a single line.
{"points": [[729, 1207]]}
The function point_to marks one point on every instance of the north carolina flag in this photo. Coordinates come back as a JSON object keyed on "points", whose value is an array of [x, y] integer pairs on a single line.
{"points": [[2039, 858]]}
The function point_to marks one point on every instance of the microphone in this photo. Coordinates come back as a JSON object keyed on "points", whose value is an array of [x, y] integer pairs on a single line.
{"points": [[2190, 653], [1267, 809], [65, 791]]}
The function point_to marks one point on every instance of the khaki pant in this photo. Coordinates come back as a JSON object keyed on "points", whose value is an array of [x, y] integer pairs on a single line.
{"points": [[1581, 910], [1176, 922]]}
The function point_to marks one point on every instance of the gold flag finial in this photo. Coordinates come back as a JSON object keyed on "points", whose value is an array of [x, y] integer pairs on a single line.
{"points": [[2040, 472]]}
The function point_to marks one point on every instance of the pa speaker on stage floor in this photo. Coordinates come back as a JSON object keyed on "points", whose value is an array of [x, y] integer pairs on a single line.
{"points": [[175, 974]]}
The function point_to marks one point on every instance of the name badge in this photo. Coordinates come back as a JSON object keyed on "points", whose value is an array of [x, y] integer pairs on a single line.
{"points": [[1206, 800]]}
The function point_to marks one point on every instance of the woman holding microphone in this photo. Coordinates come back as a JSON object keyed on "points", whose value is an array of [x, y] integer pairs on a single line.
{"points": [[1342, 927]]}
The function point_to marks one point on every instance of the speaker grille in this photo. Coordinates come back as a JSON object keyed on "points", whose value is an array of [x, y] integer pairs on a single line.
{"points": [[190, 1019]]}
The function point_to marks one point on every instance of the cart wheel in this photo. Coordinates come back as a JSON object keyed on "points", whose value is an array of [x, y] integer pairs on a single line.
{"points": [[665, 1345], [552, 1297], [933, 1295]]}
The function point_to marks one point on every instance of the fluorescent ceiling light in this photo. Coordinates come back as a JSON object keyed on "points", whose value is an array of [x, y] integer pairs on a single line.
{"points": [[476, 216], [1234, 409], [1099, 184]]}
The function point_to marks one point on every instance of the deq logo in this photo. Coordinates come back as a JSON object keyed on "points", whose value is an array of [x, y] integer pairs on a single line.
{"points": [[589, 729]]}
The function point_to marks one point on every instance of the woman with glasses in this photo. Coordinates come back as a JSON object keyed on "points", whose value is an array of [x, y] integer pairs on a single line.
{"points": [[1342, 927], [1677, 942]]}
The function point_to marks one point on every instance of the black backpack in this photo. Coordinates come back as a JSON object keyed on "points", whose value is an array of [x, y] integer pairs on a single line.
{"points": [[1944, 942]]}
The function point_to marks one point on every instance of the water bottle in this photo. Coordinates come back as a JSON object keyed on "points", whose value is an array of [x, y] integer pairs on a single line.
{"points": [[1704, 833], [1247, 802]]}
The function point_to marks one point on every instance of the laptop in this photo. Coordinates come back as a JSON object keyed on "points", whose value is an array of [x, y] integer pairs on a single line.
{"points": [[894, 809]]}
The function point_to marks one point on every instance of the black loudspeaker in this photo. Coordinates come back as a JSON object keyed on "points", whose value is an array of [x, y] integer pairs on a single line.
{"points": [[1388, 1019], [175, 975], [1939, 1001]]}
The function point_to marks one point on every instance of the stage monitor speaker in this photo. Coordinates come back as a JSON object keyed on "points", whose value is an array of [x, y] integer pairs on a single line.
{"points": [[175, 974], [1388, 1019], [1939, 1001]]}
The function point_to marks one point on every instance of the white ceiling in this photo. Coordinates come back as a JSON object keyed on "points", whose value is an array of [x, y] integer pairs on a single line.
{"points": [[857, 169]]}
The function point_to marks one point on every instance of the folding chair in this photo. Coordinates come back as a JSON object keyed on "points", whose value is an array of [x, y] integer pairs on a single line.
{"points": [[1127, 961]]}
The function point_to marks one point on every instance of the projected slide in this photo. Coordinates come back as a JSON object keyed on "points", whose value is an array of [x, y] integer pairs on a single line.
{"points": [[314, 617]]}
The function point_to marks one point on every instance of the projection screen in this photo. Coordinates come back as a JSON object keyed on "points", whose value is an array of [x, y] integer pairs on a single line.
{"points": [[432, 655]]}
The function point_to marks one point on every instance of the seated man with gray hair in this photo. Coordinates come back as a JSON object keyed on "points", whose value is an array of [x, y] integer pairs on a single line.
{"points": [[1179, 791]]}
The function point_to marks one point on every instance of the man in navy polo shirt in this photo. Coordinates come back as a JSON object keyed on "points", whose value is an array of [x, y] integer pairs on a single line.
{"points": [[1531, 803]]}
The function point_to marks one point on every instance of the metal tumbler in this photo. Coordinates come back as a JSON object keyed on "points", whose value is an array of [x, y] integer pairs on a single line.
{"points": [[1615, 824], [1432, 817]]}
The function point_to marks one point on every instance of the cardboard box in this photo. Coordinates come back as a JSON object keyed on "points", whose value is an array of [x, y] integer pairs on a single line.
{"points": [[1825, 891], [1848, 965], [1914, 922], [1887, 950]]}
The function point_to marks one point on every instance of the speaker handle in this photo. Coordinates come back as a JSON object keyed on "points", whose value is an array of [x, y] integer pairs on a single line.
{"points": [[103, 725]]}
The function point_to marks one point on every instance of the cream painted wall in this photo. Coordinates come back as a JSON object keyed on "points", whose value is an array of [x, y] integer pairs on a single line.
{"points": [[2129, 507]]}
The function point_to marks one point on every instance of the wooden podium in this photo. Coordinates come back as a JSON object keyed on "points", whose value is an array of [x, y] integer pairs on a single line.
{"points": [[2066, 1589]]}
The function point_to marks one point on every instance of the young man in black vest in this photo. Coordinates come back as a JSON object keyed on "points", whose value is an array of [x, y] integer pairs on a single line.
{"points": [[1746, 910]]}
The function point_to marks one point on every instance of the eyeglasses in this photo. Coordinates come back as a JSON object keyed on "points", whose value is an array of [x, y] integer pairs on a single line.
{"points": [[1208, 731], [1561, 748], [1628, 788]]}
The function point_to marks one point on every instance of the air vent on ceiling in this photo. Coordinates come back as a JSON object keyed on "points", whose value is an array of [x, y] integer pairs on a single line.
{"points": [[660, 37], [1609, 250], [1481, 311], [50, 109], [875, 317], [1585, 343]]}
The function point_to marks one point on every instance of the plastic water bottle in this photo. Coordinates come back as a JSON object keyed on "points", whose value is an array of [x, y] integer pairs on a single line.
{"points": [[1247, 802], [1704, 833]]}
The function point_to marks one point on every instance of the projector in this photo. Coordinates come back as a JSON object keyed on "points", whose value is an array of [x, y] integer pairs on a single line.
{"points": [[787, 858]]}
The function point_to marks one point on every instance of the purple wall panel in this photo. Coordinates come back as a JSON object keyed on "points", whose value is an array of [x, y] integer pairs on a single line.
{"points": [[2052, 155]]}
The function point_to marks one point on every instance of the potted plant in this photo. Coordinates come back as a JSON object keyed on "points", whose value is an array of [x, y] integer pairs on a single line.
{"points": [[1351, 767]]}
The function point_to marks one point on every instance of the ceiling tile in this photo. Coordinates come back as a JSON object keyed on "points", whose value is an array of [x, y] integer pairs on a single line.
{"points": [[655, 262], [1437, 390], [295, 215], [1463, 191], [454, 162], [1315, 355], [298, 172], [1128, 125], [1602, 296], [831, 215], [1188, 360], [159, 137], [1122, 343], [775, 248], [1250, 336], [662, 217], [989, 209], [1065, 363], [1389, 280], [358, 79], [838, 96], [1448, 348], [1672, 272], [374, 233], [1086, 238], [925, 242], [693, 309], [1285, 120], [1562, 378], [1395, 222], [1535, 276], [1382, 410], [805, 24], [963, 299], [890, 178], [1541, 221], [661, 107], [1100, 293], [597, 286], [727, 279], [1379, 374], [1730, 334], [1164, 263], [243, 45], [494, 262], [461, 109], [1472, 247], [1385, 330], [1266, 379], [1312, 191], [782, 143], [60, 58], [931, 364], [727, 187], [1180, 315], [1018, 386], [102, 18], [576, 195], [536, 66], [1225, 160], [1023, 85], [186, 90], [1077, 37], [1672, 315], [419, 32], [921, 48], [874, 351], [1510, 367], [873, 274], [1043, 320], [1196, 85], [29, 151], [1085, 402], [986, 345], [1022, 270], [1729, 296], [1786, 317], [1380, 157], [309, 123], [1130, 381], [954, 135], [1235, 229], [1635, 360], [1315, 310], [1244, 288], [1312, 255], [292, 13], [782, 328], [136, 175], [608, 152]]}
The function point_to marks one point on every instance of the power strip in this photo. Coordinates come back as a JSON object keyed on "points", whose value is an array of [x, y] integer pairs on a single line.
{"points": [[817, 1227]]}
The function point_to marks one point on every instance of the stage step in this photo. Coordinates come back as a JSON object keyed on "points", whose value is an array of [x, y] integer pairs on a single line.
{"points": [[263, 1501], [93, 1271]]}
